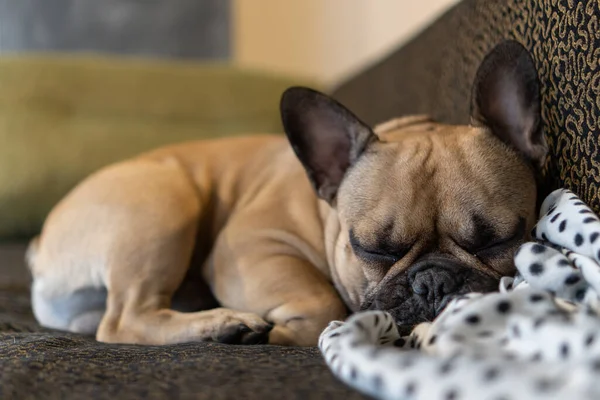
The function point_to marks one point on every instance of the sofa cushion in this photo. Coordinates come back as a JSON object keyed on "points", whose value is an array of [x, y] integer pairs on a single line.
{"points": [[62, 117]]}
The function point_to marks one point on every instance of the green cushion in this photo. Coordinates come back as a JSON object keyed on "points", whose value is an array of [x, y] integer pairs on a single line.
{"points": [[63, 117]]}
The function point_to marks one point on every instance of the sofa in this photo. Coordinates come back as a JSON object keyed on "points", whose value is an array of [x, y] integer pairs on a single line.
{"points": [[430, 74]]}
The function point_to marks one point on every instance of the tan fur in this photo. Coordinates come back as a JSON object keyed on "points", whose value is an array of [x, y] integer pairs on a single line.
{"points": [[241, 215]]}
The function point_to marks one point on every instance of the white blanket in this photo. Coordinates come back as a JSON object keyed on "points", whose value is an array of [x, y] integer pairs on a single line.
{"points": [[537, 338]]}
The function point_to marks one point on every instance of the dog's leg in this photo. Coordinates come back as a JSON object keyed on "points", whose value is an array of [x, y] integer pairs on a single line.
{"points": [[286, 289], [140, 294], [139, 300], [165, 326], [120, 245], [144, 275]]}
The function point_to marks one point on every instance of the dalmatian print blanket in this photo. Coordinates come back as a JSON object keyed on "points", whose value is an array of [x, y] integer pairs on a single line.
{"points": [[538, 337]]}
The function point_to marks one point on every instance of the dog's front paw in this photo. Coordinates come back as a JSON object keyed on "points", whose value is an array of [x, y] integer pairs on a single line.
{"points": [[242, 328]]}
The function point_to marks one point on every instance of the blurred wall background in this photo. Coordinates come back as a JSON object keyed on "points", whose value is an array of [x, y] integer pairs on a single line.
{"points": [[325, 39], [165, 28]]}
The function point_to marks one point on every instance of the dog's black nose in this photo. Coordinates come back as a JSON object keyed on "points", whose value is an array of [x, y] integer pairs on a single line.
{"points": [[435, 283]]}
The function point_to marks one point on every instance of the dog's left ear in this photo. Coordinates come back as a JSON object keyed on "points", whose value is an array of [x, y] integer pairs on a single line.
{"points": [[326, 137], [506, 98]]}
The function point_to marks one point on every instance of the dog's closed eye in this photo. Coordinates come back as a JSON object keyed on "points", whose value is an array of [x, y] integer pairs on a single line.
{"points": [[493, 246], [382, 253]]}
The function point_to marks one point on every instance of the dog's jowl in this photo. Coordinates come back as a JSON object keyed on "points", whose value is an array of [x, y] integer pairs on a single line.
{"points": [[266, 240]]}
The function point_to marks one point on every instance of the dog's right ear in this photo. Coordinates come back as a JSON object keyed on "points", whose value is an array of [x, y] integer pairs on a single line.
{"points": [[326, 137]]}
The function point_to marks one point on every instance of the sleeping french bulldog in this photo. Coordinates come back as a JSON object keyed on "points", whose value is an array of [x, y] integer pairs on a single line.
{"points": [[251, 240]]}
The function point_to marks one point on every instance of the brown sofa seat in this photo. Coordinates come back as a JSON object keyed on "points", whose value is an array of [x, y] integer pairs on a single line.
{"points": [[37, 363]]}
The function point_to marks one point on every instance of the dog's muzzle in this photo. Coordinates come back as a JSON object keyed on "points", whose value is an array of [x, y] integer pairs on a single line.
{"points": [[420, 293]]}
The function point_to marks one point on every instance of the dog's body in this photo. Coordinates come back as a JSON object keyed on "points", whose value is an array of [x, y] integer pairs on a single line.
{"points": [[399, 219], [243, 207]]}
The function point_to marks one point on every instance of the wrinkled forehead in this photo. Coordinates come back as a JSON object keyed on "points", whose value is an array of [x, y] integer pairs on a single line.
{"points": [[422, 128], [387, 130], [421, 165]]}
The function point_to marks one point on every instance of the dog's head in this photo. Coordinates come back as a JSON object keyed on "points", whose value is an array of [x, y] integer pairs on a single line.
{"points": [[425, 211]]}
